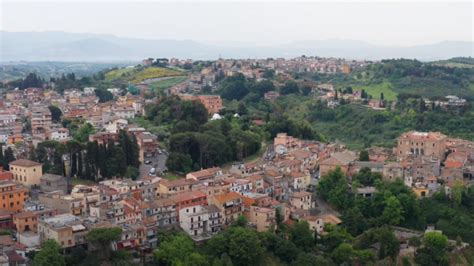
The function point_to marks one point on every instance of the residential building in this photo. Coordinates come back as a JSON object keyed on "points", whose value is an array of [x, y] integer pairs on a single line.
{"points": [[205, 174], [263, 218], [271, 95], [13, 196], [188, 199], [338, 159], [302, 200], [26, 172], [200, 222], [171, 187], [66, 229], [230, 205], [51, 182]]}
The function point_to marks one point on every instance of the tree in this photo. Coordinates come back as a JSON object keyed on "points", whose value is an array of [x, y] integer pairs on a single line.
{"points": [[132, 172], [268, 73], [382, 96], [308, 259], [333, 187], [342, 254], [8, 157], [301, 235], [354, 221], [242, 109], [393, 212], [289, 88], [179, 162], [433, 250], [335, 235], [174, 250], [241, 244], [55, 113], [234, 87], [457, 192], [49, 255], [82, 135], [102, 238], [263, 86], [366, 177], [104, 95], [364, 156], [241, 221], [244, 246]]}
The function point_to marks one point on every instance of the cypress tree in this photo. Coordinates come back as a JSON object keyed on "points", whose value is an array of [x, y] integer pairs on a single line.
{"points": [[79, 164], [73, 164], [8, 157]]}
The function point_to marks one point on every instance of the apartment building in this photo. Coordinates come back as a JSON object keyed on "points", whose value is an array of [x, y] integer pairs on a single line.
{"points": [[230, 205], [200, 222], [302, 200], [12, 196], [66, 229]]}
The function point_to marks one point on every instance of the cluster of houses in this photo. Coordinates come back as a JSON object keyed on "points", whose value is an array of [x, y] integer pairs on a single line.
{"points": [[201, 204], [424, 161], [257, 69], [32, 105], [205, 202]]}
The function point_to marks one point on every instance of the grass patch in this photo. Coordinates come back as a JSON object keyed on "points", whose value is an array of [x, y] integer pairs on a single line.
{"points": [[79, 181], [166, 83], [375, 90], [154, 72], [135, 75], [171, 176], [118, 73], [471, 87], [161, 131]]}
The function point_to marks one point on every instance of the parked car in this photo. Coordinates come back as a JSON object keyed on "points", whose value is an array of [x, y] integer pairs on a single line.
{"points": [[147, 162]]}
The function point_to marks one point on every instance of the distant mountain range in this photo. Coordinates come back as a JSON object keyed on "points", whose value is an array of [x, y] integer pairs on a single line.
{"points": [[61, 46]]}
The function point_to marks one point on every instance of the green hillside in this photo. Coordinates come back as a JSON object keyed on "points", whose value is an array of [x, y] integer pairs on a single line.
{"points": [[139, 74]]}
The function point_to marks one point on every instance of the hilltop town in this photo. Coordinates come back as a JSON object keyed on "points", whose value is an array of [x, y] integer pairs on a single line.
{"points": [[201, 148]]}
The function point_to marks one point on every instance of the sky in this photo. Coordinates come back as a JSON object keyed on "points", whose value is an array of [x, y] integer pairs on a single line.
{"points": [[404, 23]]}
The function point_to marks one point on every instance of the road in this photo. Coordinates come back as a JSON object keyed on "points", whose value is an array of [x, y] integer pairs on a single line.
{"points": [[158, 162], [324, 208]]}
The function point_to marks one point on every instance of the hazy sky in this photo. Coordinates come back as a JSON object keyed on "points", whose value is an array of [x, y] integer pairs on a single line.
{"points": [[258, 23]]}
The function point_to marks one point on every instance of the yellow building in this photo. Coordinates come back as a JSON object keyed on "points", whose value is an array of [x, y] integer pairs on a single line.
{"points": [[421, 192], [26, 172]]}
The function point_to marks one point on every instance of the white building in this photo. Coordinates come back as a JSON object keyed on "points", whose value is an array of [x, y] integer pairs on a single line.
{"points": [[89, 90], [60, 134], [200, 222]]}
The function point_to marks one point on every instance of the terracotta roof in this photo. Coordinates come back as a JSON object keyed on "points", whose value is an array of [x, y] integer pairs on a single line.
{"points": [[331, 219], [248, 201], [24, 214], [227, 197], [187, 196], [6, 240], [177, 182], [162, 202], [24, 163]]}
